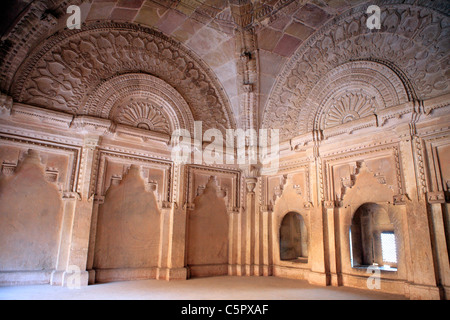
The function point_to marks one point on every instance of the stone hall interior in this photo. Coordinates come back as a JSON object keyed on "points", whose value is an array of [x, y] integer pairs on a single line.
{"points": [[183, 140]]}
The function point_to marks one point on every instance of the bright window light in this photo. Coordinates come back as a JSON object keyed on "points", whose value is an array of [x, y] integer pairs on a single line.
{"points": [[388, 247]]}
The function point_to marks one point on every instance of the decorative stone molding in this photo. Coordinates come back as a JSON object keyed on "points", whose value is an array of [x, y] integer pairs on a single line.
{"points": [[71, 196], [328, 204], [365, 185], [349, 107], [64, 182], [8, 169], [267, 208], [142, 101], [400, 199], [51, 175], [436, 197], [6, 103], [251, 184], [298, 189], [226, 183], [296, 94], [144, 116], [104, 178], [63, 72]]}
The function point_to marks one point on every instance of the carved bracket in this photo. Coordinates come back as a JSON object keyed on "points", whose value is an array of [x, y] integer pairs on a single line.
{"points": [[66, 195], [436, 197], [400, 199], [8, 168], [268, 208], [328, 204]]}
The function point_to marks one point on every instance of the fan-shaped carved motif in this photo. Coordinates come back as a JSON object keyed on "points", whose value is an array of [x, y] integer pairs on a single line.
{"points": [[349, 107], [145, 116]]}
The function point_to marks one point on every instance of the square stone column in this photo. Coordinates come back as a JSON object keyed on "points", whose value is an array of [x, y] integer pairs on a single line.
{"points": [[76, 274]]}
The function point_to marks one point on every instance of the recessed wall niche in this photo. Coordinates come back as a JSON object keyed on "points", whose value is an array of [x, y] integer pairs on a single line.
{"points": [[128, 229]]}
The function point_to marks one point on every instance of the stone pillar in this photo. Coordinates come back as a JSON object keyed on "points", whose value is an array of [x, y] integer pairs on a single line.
{"points": [[234, 242], [422, 277], [69, 202], [436, 201], [318, 239], [171, 262], [98, 200], [250, 228], [81, 223], [266, 245], [331, 243]]}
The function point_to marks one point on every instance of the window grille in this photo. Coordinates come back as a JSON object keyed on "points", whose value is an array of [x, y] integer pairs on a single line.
{"points": [[388, 247]]}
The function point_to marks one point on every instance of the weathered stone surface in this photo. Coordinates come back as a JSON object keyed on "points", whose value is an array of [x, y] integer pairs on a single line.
{"points": [[364, 141], [287, 45], [311, 15], [299, 30]]}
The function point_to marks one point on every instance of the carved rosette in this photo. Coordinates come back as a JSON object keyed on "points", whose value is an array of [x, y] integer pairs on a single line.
{"points": [[143, 115], [348, 107]]}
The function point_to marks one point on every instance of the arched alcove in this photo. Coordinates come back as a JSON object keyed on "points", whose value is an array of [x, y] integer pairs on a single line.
{"points": [[373, 237], [207, 237], [30, 218], [128, 235], [293, 238]]}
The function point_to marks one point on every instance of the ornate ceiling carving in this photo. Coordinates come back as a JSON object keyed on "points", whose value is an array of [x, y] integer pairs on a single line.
{"points": [[407, 57], [85, 72], [349, 92], [140, 100], [348, 107]]}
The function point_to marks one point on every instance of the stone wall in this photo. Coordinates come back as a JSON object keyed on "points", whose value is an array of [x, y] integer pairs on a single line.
{"points": [[88, 185]]}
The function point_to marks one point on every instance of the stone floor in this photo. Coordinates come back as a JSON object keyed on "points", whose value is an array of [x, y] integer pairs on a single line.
{"points": [[215, 288]]}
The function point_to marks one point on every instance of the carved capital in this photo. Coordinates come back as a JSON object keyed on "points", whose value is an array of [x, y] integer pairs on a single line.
{"points": [[436, 197], [233, 210], [166, 205], [268, 208], [189, 206], [307, 205], [99, 199], [251, 184], [400, 199], [6, 104], [68, 195], [8, 169], [91, 143], [328, 204]]}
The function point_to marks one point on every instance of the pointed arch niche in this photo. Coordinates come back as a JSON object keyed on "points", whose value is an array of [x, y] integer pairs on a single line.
{"points": [[293, 244], [128, 231], [31, 214], [366, 213]]}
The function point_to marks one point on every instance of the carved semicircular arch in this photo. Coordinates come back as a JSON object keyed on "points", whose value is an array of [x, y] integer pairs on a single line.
{"points": [[352, 91], [64, 72], [140, 100], [412, 42]]}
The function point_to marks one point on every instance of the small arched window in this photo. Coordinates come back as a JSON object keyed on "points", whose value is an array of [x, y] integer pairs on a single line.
{"points": [[293, 238], [372, 238]]}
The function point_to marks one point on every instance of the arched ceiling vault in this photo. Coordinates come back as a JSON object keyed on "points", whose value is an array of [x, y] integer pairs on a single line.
{"points": [[346, 71], [292, 65]]}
